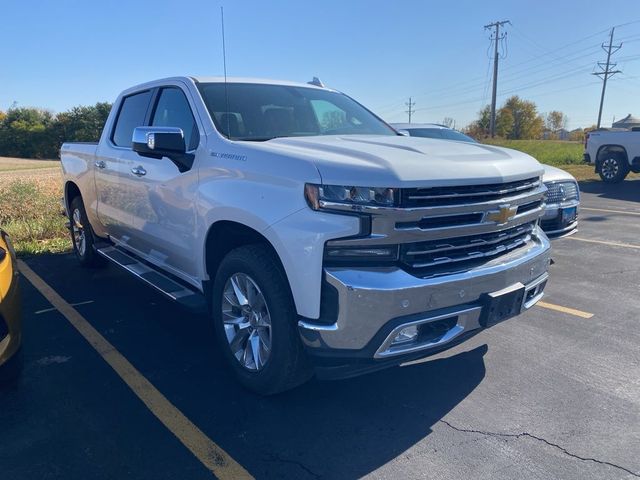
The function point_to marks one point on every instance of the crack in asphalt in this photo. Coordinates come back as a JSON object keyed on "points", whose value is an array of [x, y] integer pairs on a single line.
{"points": [[540, 439], [276, 458]]}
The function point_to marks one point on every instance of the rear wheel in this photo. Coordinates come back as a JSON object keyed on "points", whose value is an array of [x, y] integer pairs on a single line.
{"points": [[82, 236], [613, 168], [255, 321]]}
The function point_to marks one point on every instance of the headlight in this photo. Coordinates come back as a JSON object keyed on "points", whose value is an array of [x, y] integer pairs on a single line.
{"points": [[558, 192], [337, 196], [356, 255]]}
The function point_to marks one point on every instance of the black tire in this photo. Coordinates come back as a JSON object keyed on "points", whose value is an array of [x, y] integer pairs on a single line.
{"points": [[287, 365], [82, 237], [613, 168]]}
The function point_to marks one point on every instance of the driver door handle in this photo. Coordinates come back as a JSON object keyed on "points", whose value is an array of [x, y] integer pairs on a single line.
{"points": [[138, 171]]}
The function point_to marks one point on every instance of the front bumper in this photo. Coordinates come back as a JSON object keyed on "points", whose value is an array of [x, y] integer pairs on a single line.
{"points": [[553, 221], [373, 303]]}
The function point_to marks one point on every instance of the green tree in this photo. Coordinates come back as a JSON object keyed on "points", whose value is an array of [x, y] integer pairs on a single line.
{"points": [[480, 128], [555, 122], [82, 124], [504, 122], [526, 123], [27, 132]]}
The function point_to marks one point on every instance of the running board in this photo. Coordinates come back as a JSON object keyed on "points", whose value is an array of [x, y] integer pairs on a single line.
{"points": [[191, 299]]}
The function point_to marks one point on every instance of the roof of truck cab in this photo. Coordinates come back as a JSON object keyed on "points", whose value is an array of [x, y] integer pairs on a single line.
{"points": [[263, 81]]}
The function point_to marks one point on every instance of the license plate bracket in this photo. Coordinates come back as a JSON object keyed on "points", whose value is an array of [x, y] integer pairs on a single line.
{"points": [[502, 305], [569, 215]]}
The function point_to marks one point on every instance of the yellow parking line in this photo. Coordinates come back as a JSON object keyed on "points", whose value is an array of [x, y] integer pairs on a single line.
{"points": [[560, 308], [624, 212], [603, 242], [211, 455]]}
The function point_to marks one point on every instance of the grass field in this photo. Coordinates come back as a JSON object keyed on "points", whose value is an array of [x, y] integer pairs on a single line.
{"points": [[30, 192], [562, 154], [550, 152]]}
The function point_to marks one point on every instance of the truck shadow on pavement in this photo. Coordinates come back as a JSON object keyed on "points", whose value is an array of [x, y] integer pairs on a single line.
{"points": [[350, 428], [339, 429], [629, 190]]}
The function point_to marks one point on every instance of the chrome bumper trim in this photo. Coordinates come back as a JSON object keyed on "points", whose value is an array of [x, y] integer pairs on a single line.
{"points": [[370, 298], [468, 319]]}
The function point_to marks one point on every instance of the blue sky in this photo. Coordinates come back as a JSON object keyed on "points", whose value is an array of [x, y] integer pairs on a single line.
{"points": [[70, 52]]}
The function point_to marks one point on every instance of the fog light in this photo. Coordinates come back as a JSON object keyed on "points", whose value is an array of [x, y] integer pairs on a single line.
{"points": [[407, 334]]}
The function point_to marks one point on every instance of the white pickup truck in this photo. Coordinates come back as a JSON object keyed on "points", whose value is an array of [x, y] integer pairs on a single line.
{"points": [[614, 153], [318, 238]]}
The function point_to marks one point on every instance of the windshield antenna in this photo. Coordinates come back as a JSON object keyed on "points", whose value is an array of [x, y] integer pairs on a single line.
{"points": [[224, 63]]}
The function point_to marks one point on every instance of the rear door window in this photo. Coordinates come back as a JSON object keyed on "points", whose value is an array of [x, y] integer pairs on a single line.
{"points": [[132, 114]]}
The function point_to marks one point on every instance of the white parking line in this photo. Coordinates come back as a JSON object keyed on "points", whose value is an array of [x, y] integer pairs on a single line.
{"points": [[46, 310], [604, 242], [623, 212]]}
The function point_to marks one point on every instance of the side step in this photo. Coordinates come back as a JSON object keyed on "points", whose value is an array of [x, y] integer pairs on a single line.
{"points": [[181, 294]]}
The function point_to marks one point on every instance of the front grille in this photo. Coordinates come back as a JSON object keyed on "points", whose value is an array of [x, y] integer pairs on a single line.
{"points": [[462, 253], [444, 196], [442, 221], [561, 192]]}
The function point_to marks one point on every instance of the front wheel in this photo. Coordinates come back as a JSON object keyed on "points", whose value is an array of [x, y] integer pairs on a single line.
{"points": [[613, 169], [256, 322]]}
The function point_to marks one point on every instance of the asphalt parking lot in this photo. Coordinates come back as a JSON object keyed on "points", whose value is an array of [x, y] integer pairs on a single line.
{"points": [[554, 393]]}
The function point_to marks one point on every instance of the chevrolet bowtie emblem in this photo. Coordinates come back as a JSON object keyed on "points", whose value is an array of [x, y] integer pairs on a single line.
{"points": [[502, 215]]}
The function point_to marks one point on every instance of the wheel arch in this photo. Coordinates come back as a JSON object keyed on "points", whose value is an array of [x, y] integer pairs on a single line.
{"points": [[611, 148], [226, 235], [71, 191]]}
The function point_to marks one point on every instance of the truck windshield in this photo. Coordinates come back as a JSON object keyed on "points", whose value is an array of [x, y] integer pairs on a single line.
{"points": [[261, 112]]}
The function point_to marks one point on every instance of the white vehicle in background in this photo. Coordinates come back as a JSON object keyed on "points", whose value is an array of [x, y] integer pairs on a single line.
{"points": [[563, 196], [613, 153]]}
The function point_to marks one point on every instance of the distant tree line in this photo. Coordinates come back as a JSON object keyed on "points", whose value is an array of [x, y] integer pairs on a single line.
{"points": [[28, 132], [518, 119]]}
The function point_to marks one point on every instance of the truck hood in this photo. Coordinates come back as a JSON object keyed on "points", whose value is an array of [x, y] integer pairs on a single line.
{"points": [[553, 174], [399, 161]]}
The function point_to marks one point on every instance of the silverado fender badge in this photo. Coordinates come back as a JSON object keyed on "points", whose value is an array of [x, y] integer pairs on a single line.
{"points": [[230, 156], [502, 215]]}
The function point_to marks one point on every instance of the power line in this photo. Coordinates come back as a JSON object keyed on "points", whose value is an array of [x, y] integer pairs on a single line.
{"points": [[410, 104], [496, 38], [479, 83], [606, 71]]}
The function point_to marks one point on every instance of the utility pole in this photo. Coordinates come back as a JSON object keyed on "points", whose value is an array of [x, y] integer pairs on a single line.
{"points": [[496, 37], [410, 104], [606, 71]]}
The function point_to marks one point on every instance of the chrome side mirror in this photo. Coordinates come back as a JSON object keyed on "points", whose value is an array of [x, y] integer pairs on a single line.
{"points": [[158, 142]]}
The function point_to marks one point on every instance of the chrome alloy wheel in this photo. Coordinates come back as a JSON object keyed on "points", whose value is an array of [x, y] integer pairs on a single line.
{"points": [[609, 168], [79, 237], [247, 323]]}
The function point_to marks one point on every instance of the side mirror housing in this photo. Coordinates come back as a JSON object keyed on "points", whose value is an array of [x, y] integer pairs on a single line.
{"points": [[404, 133], [158, 142]]}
